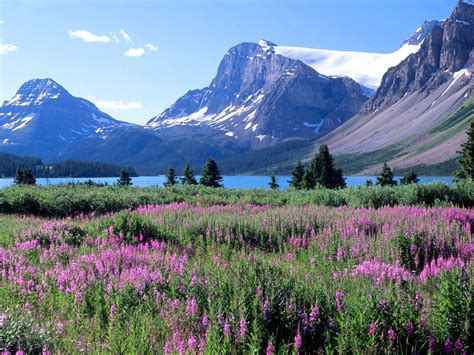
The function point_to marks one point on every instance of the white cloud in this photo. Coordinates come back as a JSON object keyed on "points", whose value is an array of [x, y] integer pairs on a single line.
{"points": [[87, 36], [118, 105], [1, 22], [7, 48], [134, 52], [125, 36], [151, 47]]}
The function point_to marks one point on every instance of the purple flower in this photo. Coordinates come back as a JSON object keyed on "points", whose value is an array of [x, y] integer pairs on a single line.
{"points": [[298, 341], [191, 307], [339, 298], [372, 328], [227, 331], [391, 334], [243, 328], [270, 348], [167, 348]]}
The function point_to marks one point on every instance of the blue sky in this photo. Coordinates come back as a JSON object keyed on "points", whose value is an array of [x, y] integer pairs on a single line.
{"points": [[80, 44]]}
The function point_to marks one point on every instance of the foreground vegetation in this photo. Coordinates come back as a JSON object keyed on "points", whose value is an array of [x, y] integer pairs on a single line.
{"points": [[239, 278], [62, 201]]}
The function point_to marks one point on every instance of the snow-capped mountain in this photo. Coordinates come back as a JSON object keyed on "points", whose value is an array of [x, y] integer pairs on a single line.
{"points": [[423, 106], [43, 112], [259, 98]]}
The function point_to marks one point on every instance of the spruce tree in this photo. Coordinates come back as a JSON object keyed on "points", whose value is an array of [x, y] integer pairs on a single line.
{"points": [[170, 177], [188, 176], [466, 163], [369, 182], [297, 176], [386, 177], [273, 182], [24, 177], [308, 179], [29, 178], [322, 172], [124, 179], [210, 174], [19, 177], [410, 177]]}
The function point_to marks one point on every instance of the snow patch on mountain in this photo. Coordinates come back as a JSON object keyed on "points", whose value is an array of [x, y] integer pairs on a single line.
{"points": [[365, 68]]}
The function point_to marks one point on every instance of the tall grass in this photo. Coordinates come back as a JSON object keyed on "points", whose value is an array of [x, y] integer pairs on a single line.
{"points": [[62, 201]]}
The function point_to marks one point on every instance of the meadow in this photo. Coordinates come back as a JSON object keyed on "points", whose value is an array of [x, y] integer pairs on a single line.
{"points": [[175, 271]]}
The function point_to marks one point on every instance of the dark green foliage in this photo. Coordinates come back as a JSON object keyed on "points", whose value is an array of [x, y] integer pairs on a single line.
{"points": [[70, 200], [24, 177], [297, 176], [273, 182], [308, 180], [124, 179], [369, 182], [171, 177], [321, 171], [410, 177], [188, 176], [466, 163], [451, 307], [386, 177], [10, 163], [211, 176]]}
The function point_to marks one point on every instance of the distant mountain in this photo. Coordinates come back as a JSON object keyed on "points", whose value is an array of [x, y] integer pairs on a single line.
{"points": [[419, 114], [259, 98], [45, 115]]}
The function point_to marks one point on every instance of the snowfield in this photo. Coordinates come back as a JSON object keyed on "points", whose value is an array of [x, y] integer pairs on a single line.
{"points": [[365, 68]]}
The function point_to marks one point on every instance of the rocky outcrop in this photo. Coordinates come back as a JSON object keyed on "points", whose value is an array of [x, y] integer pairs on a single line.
{"points": [[447, 50]]}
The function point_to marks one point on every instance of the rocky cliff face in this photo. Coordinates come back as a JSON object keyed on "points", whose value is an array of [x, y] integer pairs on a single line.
{"points": [[259, 98], [447, 50]]}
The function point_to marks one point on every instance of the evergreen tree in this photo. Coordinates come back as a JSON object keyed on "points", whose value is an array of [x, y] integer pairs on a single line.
{"points": [[297, 176], [124, 179], [170, 177], [322, 171], [24, 177], [308, 179], [369, 182], [273, 182], [466, 163], [188, 176], [386, 177], [409, 178], [19, 177], [210, 174]]}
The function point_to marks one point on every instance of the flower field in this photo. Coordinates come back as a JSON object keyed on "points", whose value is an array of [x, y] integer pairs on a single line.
{"points": [[239, 278]]}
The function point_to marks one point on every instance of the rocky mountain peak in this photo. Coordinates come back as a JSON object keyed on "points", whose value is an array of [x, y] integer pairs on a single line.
{"points": [[259, 98], [422, 32], [36, 92], [447, 50]]}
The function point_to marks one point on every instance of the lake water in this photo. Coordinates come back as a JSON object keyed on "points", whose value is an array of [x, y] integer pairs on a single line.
{"points": [[244, 182]]}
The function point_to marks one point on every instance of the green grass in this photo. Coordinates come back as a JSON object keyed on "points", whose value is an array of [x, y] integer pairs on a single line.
{"points": [[63, 201]]}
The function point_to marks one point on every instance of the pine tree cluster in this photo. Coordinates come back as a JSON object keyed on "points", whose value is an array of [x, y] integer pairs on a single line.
{"points": [[320, 172]]}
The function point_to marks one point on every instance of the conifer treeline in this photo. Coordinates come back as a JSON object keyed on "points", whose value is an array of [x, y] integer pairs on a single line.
{"points": [[10, 164], [210, 175]]}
